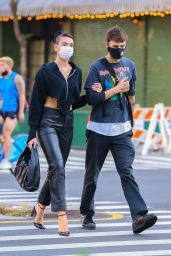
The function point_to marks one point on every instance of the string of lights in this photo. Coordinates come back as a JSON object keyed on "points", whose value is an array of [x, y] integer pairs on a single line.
{"points": [[89, 16]]}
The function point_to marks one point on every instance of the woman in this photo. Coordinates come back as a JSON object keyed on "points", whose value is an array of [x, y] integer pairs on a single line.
{"points": [[56, 93]]}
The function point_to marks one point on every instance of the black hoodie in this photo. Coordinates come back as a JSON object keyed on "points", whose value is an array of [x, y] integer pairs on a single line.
{"points": [[49, 81]]}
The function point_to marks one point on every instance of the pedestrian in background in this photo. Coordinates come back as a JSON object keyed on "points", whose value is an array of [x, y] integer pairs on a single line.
{"points": [[109, 129], [12, 91]]}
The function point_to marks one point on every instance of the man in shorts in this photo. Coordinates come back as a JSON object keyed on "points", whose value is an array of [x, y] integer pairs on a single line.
{"points": [[12, 92]]}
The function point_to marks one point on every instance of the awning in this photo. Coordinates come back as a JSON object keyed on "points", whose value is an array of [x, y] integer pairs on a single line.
{"points": [[34, 8]]}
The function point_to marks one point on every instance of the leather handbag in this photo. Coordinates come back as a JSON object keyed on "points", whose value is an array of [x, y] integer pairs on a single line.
{"points": [[27, 170]]}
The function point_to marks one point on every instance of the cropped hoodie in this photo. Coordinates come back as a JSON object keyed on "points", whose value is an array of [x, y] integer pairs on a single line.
{"points": [[49, 81]]}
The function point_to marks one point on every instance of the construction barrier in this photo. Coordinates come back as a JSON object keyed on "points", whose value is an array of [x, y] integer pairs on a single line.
{"points": [[152, 128]]}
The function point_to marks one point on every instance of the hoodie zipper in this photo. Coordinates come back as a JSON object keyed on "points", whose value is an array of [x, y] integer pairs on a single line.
{"points": [[67, 83]]}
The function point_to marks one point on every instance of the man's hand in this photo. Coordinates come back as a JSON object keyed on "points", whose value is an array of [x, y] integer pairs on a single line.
{"points": [[97, 87], [32, 143], [123, 85], [21, 117]]}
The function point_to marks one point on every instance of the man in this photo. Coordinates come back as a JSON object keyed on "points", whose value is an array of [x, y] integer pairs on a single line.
{"points": [[110, 129], [12, 91]]}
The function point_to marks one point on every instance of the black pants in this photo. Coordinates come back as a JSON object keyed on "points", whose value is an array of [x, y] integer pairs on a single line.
{"points": [[55, 136], [123, 153]]}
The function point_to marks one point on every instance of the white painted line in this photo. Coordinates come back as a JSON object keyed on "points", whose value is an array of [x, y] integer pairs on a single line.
{"points": [[17, 200], [164, 217], [5, 171], [107, 204], [151, 165], [28, 199], [82, 235], [155, 162], [83, 245], [109, 168], [137, 253], [75, 167], [111, 163], [100, 225], [7, 190], [110, 207], [75, 164], [155, 158], [16, 196], [18, 193], [151, 211]]}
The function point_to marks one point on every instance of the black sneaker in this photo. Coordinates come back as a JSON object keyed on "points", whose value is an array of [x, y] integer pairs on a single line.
{"points": [[87, 222], [143, 222]]}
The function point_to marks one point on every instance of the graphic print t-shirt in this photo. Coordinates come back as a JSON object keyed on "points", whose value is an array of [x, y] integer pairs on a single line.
{"points": [[111, 111]]}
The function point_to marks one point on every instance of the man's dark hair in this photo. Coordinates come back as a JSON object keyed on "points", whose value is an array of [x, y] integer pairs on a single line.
{"points": [[117, 34], [60, 34]]}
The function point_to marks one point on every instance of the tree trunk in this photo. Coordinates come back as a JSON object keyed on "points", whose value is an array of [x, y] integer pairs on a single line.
{"points": [[21, 39]]}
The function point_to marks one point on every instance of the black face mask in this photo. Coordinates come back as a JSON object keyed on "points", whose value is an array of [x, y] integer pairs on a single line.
{"points": [[116, 53], [4, 73]]}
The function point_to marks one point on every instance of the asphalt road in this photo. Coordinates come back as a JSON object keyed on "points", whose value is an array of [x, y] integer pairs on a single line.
{"points": [[113, 235]]}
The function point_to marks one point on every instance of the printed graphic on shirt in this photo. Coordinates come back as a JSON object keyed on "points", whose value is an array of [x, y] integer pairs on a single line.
{"points": [[109, 84], [121, 73]]}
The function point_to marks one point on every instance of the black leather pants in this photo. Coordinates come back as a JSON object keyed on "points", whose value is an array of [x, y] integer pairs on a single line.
{"points": [[55, 137]]}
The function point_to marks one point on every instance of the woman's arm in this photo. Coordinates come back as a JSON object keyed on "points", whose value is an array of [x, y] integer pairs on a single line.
{"points": [[81, 101], [36, 103]]}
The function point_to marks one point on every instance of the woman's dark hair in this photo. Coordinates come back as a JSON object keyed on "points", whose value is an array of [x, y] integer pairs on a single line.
{"points": [[60, 34], [117, 34]]}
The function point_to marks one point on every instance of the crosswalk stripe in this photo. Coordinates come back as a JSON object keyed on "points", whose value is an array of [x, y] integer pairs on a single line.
{"points": [[111, 207], [16, 196], [137, 253], [83, 245], [17, 193], [102, 225], [28, 199], [155, 158], [138, 161], [77, 163], [6, 190], [164, 217], [151, 211], [82, 235], [71, 169], [18, 199]]}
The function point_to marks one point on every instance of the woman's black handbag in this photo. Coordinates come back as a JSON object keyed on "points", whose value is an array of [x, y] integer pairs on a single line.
{"points": [[27, 170]]}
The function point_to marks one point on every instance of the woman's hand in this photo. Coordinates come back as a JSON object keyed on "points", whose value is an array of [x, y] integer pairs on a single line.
{"points": [[32, 143], [97, 87]]}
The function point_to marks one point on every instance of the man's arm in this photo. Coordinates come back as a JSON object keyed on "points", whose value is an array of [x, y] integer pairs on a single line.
{"points": [[132, 103], [20, 84]]}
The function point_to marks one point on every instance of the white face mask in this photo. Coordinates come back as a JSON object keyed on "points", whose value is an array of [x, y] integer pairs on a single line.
{"points": [[66, 52]]}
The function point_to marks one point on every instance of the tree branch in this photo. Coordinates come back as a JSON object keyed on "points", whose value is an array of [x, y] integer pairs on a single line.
{"points": [[19, 36]]}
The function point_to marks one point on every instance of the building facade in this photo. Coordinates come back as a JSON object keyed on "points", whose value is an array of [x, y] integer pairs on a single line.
{"points": [[148, 43]]}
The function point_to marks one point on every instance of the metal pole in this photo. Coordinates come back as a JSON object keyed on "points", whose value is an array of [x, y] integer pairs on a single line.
{"points": [[145, 89]]}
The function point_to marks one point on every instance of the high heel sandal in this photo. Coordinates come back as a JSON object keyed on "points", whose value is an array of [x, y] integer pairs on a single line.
{"points": [[33, 214], [63, 233]]}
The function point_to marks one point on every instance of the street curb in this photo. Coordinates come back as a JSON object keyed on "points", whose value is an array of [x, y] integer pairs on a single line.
{"points": [[11, 210]]}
